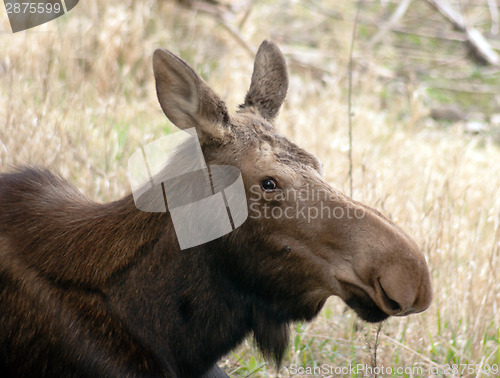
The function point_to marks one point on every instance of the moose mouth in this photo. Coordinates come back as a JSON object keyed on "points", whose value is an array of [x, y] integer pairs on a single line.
{"points": [[364, 306]]}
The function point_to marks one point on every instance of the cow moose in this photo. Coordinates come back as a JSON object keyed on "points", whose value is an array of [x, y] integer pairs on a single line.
{"points": [[89, 289]]}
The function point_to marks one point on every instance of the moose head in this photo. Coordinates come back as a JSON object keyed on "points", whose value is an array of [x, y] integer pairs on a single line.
{"points": [[303, 240]]}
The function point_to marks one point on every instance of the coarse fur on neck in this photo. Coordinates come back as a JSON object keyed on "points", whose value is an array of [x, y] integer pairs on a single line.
{"points": [[162, 312]]}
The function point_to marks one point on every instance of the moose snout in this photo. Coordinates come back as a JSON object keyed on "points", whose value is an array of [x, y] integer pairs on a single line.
{"points": [[389, 267], [402, 290]]}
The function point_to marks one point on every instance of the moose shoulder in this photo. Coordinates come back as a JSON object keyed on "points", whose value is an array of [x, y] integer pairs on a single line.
{"points": [[91, 289]]}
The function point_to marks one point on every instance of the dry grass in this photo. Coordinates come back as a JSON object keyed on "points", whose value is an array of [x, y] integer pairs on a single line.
{"points": [[77, 95]]}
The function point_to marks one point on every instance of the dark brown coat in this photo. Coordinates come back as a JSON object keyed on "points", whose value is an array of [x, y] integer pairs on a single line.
{"points": [[91, 289]]}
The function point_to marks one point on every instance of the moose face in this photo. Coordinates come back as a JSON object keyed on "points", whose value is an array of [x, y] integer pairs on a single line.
{"points": [[303, 240]]}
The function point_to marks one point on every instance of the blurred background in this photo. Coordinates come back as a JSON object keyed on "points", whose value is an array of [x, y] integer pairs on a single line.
{"points": [[77, 95]]}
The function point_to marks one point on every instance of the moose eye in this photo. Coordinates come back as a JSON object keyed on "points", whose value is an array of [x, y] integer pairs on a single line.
{"points": [[269, 184]]}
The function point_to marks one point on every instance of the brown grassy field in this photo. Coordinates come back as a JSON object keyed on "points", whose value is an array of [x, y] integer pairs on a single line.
{"points": [[77, 95]]}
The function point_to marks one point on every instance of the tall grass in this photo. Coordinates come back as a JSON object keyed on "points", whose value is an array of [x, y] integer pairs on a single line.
{"points": [[77, 95]]}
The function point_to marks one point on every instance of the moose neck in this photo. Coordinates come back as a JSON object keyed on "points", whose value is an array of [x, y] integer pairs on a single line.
{"points": [[172, 300], [84, 243], [133, 230]]}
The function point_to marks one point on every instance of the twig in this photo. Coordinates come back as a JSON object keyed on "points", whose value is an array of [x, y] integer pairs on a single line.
{"points": [[246, 15], [479, 45], [449, 13], [492, 5], [375, 347], [349, 96], [448, 35], [475, 89], [312, 6], [219, 13], [236, 34], [396, 16], [308, 66], [411, 53]]}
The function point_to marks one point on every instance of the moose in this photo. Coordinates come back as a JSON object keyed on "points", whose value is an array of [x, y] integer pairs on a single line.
{"points": [[91, 289]]}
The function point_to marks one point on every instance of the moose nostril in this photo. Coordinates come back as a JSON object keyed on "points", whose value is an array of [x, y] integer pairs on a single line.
{"points": [[389, 302]]}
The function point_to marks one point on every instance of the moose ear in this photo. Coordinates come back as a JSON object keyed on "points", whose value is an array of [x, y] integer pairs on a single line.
{"points": [[186, 99], [269, 81]]}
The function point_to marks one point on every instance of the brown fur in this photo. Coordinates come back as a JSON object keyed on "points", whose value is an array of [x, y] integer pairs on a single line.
{"points": [[91, 289]]}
